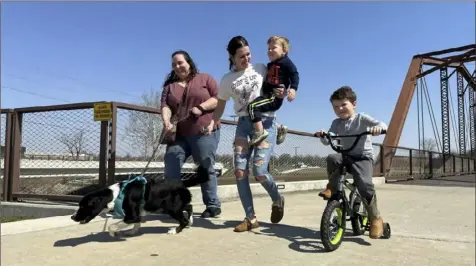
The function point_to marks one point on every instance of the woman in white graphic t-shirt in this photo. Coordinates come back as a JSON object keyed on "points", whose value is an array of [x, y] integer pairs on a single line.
{"points": [[243, 84]]}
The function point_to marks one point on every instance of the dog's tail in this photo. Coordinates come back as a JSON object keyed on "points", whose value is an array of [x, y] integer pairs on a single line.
{"points": [[200, 176]]}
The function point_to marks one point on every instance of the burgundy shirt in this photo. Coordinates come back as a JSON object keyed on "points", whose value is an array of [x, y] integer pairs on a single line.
{"points": [[201, 88]]}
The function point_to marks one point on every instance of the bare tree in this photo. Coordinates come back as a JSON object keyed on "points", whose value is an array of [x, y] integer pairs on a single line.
{"points": [[143, 129], [429, 144], [74, 142]]}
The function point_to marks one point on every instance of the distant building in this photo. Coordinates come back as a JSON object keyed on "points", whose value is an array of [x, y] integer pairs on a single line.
{"points": [[2, 151]]}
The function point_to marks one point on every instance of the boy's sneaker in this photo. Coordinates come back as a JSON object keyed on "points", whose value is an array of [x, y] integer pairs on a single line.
{"points": [[327, 193], [282, 131], [258, 137], [376, 221]]}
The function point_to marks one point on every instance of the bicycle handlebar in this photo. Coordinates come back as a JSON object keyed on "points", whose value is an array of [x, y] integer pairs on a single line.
{"points": [[331, 136]]}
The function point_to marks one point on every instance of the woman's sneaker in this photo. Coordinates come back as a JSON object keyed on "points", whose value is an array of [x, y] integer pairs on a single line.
{"points": [[277, 211], [211, 212], [246, 225]]}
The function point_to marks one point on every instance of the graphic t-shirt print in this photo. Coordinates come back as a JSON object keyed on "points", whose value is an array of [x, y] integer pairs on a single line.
{"points": [[246, 89]]}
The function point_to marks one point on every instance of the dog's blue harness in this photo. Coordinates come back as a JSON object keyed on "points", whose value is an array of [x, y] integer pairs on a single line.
{"points": [[118, 211]]}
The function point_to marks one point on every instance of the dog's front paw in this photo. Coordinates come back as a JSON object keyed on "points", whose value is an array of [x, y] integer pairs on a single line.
{"points": [[172, 231], [190, 221], [113, 233], [113, 230]]}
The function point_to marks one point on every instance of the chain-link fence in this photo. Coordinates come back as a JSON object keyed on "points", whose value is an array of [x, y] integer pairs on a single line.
{"points": [[59, 152], [137, 136], [299, 157], [63, 151]]}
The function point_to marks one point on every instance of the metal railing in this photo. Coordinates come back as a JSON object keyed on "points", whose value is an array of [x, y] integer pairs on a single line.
{"points": [[60, 152]]}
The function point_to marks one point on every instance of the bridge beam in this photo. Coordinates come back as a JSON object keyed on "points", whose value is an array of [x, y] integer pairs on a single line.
{"points": [[401, 110], [414, 72]]}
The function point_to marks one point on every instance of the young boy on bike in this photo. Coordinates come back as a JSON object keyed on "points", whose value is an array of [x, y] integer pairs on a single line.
{"points": [[360, 162]]}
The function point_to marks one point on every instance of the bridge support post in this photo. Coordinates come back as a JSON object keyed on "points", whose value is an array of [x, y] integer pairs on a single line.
{"points": [[445, 116], [472, 118]]}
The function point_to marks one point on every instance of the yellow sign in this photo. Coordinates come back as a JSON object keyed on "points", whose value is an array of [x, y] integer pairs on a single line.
{"points": [[102, 111]]}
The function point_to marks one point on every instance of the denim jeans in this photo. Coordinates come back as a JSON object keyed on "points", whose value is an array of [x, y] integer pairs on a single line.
{"points": [[261, 156], [203, 151]]}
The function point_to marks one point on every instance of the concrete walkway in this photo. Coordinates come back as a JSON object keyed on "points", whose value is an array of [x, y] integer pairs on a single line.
{"points": [[431, 225]]}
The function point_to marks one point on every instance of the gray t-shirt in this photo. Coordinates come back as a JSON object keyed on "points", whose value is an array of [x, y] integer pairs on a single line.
{"points": [[355, 125]]}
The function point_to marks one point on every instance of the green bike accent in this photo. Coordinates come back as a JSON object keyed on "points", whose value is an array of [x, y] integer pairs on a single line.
{"points": [[364, 221], [340, 230]]}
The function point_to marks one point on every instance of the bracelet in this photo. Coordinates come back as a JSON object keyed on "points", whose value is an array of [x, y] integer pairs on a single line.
{"points": [[199, 107]]}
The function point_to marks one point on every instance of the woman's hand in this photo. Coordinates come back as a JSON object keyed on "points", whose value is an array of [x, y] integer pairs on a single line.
{"points": [[209, 128], [279, 92], [196, 112], [167, 126]]}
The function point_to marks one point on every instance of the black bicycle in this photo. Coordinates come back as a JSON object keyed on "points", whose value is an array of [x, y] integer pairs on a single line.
{"points": [[332, 229]]}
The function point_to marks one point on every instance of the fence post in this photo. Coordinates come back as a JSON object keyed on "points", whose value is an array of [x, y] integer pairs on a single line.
{"points": [[14, 183], [454, 164], [111, 164], [411, 162], [383, 166], [103, 147], [7, 158], [430, 165]]}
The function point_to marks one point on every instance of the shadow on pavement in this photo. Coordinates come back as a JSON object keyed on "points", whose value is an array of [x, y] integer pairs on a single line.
{"points": [[101, 237], [104, 237], [302, 239]]}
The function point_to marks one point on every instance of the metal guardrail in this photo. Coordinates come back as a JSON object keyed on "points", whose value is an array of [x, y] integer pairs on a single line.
{"points": [[60, 152]]}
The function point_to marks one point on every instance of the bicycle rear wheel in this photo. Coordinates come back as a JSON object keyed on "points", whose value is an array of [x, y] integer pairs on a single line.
{"points": [[333, 228]]}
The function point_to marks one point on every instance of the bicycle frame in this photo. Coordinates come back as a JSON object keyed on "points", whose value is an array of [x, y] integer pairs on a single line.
{"points": [[340, 192]]}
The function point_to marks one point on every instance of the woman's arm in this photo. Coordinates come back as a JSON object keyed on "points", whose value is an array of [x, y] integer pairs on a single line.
{"points": [[219, 109], [166, 112], [213, 89], [209, 104], [223, 95]]}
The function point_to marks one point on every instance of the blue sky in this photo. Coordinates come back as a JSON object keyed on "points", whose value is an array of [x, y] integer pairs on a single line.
{"points": [[114, 51]]}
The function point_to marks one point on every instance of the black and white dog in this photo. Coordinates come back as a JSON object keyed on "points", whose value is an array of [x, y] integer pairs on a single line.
{"points": [[170, 197]]}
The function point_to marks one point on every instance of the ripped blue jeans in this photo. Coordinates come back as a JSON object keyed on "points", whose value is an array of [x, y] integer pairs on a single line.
{"points": [[260, 160]]}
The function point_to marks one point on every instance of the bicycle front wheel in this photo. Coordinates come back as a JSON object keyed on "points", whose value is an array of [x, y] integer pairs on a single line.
{"points": [[333, 224]]}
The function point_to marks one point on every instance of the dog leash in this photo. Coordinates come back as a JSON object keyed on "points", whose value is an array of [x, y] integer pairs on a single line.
{"points": [[157, 145]]}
